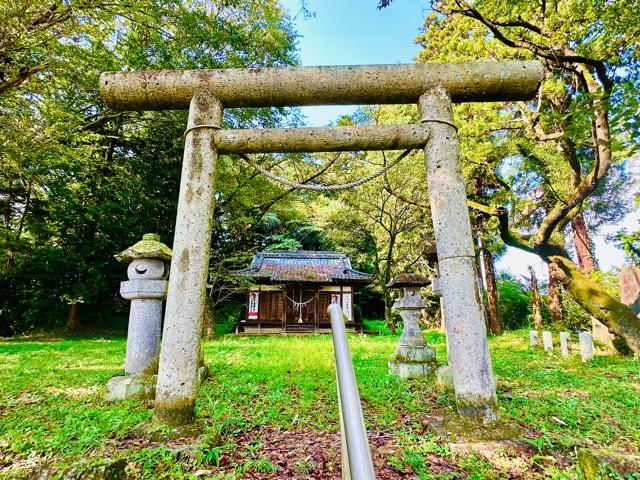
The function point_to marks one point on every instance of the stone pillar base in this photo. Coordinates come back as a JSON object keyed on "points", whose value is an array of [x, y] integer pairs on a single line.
{"points": [[411, 370], [413, 362], [131, 387], [444, 379]]}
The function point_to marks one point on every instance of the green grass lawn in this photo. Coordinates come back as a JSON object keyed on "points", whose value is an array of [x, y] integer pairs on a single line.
{"points": [[270, 411]]}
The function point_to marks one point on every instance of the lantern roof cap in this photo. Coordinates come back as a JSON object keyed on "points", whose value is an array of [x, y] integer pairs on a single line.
{"points": [[409, 280], [149, 247]]}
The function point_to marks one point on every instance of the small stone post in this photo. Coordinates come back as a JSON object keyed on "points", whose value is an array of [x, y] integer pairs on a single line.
{"points": [[435, 288], [629, 282], [180, 354], [468, 349], [586, 346], [547, 341], [601, 334], [565, 345], [533, 338], [413, 357], [146, 288]]}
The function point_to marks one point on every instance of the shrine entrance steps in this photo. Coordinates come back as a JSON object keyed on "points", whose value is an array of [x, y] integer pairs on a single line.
{"points": [[300, 328]]}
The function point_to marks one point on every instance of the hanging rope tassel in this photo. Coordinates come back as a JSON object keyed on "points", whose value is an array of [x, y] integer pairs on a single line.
{"points": [[300, 317], [297, 306]]}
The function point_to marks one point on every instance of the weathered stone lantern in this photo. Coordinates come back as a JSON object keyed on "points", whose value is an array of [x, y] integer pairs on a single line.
{"points": [[146, 288], [413, 357]]}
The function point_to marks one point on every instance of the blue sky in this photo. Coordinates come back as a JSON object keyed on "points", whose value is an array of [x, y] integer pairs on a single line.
{"points": [[352, 32], [355, 32]]}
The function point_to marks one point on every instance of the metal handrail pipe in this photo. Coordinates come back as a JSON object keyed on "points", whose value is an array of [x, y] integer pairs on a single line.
{"points": [[359, 454], [327, 139], [331, 85]]}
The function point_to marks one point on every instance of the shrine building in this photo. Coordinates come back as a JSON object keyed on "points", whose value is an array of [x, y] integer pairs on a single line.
{"points": [[291, 291]]}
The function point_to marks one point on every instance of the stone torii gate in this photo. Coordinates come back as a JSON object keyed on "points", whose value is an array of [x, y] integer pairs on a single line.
{"points": [[432, 86]]}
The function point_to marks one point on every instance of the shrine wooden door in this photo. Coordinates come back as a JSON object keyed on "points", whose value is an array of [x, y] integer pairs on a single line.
{"points": [[301, 306]]}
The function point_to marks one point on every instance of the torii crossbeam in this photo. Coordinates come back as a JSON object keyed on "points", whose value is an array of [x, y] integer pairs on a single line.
{"points": [[432, 86]]}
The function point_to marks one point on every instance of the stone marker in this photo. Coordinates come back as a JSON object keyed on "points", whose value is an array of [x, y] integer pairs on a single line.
{"points": [[592, 462], [146, 288], [533, 338], [629, 281], [87, 469], [131, 387], [547, 341], [435, 286], [444, 379], [413, 357], [565, 345], [586, 346], [602, 335]]}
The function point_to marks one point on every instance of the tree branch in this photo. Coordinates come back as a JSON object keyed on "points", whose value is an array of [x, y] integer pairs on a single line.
{"points": [[23, 75], [508, 237]]}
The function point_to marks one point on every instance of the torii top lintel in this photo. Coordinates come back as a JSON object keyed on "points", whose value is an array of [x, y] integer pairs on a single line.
{"points": [[334, 85]]}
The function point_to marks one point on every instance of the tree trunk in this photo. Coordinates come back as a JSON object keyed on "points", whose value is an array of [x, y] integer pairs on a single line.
{"points": [[616, 316], [388, 311], [210, 319], [555, 299], [587, 264], [481, 252], [495, 322], [480, 284], [388, 301], [25, 210], [582, 244], [536, 305], [73, 318]]}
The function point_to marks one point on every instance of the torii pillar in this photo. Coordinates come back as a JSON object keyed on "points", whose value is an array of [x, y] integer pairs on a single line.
{"points": [[467, 346], [180, 353]]}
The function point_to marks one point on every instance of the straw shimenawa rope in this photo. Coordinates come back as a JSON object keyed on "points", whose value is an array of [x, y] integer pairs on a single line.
{"points": [[321, 187]]}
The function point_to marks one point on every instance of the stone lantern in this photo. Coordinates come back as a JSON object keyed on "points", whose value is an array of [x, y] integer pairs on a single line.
{"points": [[413, 357], [146, 288]]}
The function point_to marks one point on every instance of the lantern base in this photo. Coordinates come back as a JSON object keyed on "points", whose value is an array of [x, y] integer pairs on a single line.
{"points": [[131, 387], [413, 362]]}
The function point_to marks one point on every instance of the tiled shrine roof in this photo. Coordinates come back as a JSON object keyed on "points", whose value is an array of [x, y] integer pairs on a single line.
{"points": [[303, 267]]}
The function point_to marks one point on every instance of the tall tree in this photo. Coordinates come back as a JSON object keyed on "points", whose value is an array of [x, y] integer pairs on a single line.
{"points": [[80, 182], [582, 244], [555, 299], [560, 150], [487, 246], [493, 314], [536, 302]]}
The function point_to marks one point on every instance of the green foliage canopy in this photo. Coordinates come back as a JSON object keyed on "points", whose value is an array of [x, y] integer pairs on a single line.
{"points": [[80, 182]]}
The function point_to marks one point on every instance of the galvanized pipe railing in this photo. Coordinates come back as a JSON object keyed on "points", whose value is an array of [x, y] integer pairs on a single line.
{"points": [[356, 458]]}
